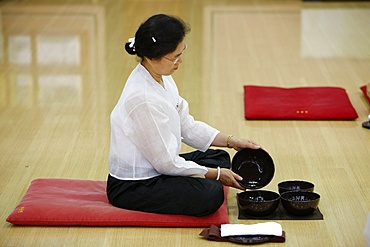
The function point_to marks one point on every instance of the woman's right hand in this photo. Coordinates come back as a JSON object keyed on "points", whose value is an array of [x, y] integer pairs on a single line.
{"points": [[227, 177], [230, 178]]}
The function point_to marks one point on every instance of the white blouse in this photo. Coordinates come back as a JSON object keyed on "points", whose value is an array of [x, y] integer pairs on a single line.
{"points": [[147, 127]]}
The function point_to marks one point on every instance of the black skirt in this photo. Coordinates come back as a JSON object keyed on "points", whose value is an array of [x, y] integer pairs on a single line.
{"points": [[173, 194]]}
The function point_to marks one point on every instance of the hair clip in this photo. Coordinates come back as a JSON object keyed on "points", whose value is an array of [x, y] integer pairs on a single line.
{"points": [[132, 42], [154, 40]]}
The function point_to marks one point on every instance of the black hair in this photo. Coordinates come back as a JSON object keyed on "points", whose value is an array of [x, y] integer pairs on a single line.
{"points": [[158, 36]]}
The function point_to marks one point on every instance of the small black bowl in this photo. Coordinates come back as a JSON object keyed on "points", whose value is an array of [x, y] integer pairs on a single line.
{"points": [[295, 185], [300, 202], [258, 202]]}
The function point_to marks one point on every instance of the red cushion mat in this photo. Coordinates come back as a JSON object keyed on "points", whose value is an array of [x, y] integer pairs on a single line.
{"points": [[67, 202], [302, 103], [363, 89]]}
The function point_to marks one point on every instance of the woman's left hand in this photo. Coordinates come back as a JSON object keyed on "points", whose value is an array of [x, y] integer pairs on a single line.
{"points": [[223, 140], [240, 143]]}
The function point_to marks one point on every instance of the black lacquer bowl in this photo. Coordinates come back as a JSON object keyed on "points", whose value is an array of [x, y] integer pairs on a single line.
{"points": [[258, 202], [295, 185], [300, 202], [255, 166]]}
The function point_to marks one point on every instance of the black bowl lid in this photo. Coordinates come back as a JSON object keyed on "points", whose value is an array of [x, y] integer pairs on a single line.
{"points": [[255, 166]]}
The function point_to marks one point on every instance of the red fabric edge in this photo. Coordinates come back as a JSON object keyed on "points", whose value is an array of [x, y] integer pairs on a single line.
{"points": [[67, 202], [363, 89]]}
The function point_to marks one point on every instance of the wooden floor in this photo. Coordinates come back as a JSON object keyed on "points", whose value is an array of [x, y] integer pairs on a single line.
{"points": [[62, 69]]}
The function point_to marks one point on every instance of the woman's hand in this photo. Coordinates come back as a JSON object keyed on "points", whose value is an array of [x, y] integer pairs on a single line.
{"points": [[239, 143], [227, 177], [230, 178], [222, 140]]}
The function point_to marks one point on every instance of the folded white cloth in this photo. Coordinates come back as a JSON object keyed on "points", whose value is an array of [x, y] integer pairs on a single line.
{"points": [[267, 228]]}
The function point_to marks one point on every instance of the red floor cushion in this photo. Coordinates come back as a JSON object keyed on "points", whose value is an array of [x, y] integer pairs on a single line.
{"points": [[300, 103], [68, 202]]}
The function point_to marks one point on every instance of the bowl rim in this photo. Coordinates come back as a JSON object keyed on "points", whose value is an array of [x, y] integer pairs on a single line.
{"points": [[294, 181], [255, 191], [297, 192]]}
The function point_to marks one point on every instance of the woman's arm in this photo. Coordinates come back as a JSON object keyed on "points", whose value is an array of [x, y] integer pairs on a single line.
{"points": [[223, 140], [226, 176]]}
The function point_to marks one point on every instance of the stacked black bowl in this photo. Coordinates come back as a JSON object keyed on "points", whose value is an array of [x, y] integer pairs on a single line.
{"points": [[298, 198]]}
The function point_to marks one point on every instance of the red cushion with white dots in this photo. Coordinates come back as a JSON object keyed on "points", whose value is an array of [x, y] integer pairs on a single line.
{"points": [[69, 202], [299, 103]]}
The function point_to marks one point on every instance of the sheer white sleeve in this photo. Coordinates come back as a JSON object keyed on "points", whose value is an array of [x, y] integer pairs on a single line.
{"points": [[158, 139], [196, 134]]}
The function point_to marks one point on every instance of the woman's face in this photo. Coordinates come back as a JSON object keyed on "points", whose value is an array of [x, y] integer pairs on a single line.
{"points": [[170, 62]]}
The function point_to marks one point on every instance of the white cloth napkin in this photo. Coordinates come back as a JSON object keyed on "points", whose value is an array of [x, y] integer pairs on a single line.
{"points": [[267, 228]]}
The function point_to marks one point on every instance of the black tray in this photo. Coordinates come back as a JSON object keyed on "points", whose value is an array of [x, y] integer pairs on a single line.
{"points": [[281, 214]]}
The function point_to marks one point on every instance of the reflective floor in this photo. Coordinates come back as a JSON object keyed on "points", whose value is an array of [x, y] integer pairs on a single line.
{"points": [[63, 66]]}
